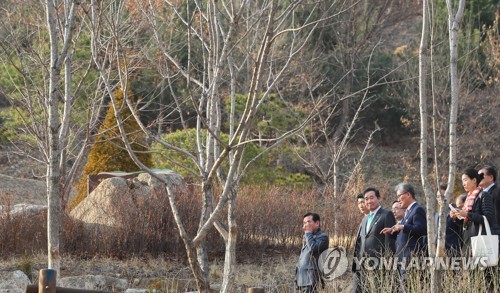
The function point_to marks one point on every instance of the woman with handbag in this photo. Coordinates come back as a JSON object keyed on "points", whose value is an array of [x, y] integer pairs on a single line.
{"points": [[478, 203]]}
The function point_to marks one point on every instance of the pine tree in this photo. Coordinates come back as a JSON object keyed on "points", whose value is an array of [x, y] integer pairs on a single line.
{"points": [[108, 152]]}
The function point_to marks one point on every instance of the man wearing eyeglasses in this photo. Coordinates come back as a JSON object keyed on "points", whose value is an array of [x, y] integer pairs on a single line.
{"points": [[488, 184], [412, 231]]}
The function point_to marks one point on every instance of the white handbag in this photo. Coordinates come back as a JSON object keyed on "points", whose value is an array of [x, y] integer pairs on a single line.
{"points": [[485, 246]]}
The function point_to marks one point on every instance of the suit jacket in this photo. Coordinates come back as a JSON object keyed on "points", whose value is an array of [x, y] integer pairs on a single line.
{"points": [[371, 243], [307, 272], [412, 239], [357, 247], [495, 194]]}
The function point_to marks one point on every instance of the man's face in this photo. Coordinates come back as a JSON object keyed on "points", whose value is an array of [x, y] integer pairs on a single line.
{"points": [[404, 198], [362, 206], [487, 180], [309, 225], [398, 212], [371, 200]]}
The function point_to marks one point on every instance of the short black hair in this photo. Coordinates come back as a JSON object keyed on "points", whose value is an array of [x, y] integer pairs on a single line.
{"points": [[377, 193], [396, 201], [315, 216], [491, 171], [360, 196], [406, 187], [462, 197], [473, 174]]}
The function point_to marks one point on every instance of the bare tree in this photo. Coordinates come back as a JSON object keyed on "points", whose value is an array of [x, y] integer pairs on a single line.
{"points": [[424, 134], [45, 99], [455, 16], [221, 50], [454, 24], [356, 41]]}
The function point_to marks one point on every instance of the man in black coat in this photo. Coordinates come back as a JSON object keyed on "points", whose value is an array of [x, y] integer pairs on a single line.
{"points": [[488, 184]]}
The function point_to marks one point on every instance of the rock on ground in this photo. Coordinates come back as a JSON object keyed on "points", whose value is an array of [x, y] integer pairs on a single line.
{"points": [[15, 281], [116, 200]]}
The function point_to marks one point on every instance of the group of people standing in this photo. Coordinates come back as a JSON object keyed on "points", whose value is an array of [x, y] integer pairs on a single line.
{"points": [[402, 231]]}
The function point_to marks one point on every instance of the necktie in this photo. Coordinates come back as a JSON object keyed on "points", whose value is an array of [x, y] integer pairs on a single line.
{"points": [[369, 221], [406, 215]]}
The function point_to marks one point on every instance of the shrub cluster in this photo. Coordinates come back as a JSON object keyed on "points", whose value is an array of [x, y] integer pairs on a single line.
{"points": [[269, 219]]}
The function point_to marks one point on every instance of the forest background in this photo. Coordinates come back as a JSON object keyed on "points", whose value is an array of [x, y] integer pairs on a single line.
{"points": [[268, 109]]}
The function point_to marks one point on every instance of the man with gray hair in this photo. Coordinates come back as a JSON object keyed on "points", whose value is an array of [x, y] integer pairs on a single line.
{"points": [[412, 230]]}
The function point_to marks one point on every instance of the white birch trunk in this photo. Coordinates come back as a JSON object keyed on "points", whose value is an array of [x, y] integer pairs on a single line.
{"points": [[424, 130], [53, 172], [56, 142], [453, 27]]}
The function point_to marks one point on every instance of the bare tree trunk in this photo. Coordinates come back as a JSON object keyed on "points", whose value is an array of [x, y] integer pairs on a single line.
{"points": [[230, 255], [424, 129], [335, 197], [54, 125], [201, 249], [453, 27], [53, 173]]}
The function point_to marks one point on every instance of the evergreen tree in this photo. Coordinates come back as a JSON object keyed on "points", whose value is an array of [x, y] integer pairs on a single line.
{"points": [[108, 152]]}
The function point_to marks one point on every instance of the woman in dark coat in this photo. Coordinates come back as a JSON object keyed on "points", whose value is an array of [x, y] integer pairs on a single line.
{"points": [[478, 203]]}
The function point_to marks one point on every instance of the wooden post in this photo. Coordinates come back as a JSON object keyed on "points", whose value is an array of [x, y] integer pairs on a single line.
{"points": [[47, 281], [256, 290]]}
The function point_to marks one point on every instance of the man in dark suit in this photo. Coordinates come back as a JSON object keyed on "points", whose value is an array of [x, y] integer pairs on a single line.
{"points": [[307, 274], [488, 184], [412, 231], [370, 241]]}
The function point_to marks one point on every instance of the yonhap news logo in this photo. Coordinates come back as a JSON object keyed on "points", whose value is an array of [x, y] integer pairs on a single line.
{"points": [[333, 263]]}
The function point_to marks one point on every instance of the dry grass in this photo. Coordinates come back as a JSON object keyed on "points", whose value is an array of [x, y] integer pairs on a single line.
{"points": [[275, 273], [148, 252]]}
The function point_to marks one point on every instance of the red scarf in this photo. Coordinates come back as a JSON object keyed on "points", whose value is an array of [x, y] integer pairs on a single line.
{"points": [[469, 202]]}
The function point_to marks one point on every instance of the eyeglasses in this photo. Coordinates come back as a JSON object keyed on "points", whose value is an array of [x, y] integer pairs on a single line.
{"points": [[401, 194]]}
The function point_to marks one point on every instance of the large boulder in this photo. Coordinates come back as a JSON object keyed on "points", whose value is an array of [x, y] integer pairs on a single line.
{"points": [[117, 200], [101, 205], [15, 281]]}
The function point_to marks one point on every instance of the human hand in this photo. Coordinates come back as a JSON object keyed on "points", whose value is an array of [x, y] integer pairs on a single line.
{"points": [[387, 231], [461, 214]]}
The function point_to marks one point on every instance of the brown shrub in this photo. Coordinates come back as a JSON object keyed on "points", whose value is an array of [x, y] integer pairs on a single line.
{"points": [[269, 220]]}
